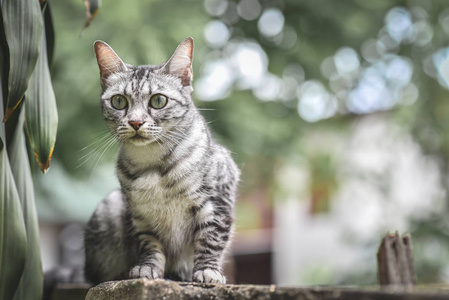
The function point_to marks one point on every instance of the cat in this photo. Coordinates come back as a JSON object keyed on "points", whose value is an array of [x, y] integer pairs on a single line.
{"points": [[173, 214]]}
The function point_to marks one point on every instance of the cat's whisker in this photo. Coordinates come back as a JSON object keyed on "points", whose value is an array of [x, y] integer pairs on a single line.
{"points": [[210, 122], [181, 125], [180, 128], [164, 140], [168, 137], [178, 132], [153, 132], [93, 155], [96, 141], [97, 157], [101, 131], [160, 145], [174, 134], [174, 139], [90, 156], [109, 145]]}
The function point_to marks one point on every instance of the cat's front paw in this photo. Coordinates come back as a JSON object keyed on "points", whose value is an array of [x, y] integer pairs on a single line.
{"points": [[209, 276], [145, 271]]}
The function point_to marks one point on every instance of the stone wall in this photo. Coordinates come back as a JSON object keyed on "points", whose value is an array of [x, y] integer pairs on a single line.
{"points": [[141, 289]]}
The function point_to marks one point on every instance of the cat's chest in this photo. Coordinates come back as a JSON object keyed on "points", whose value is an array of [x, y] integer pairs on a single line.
{"points": [[161, 189], [148, 185], [160, 208]]}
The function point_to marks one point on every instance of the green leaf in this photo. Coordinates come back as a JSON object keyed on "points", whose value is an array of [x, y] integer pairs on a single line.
{"points": [[92, 7], [13, 243], [31, 283], [49, 32], [22, 20], [41, 116], [4, 65], [4, 61]]}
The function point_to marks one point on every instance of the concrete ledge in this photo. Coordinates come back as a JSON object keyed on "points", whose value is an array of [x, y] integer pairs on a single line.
{"points": [[69, 291], [143, 289]]}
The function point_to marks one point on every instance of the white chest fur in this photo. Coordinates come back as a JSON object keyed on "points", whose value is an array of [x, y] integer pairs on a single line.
{"points": [[162, 211]]}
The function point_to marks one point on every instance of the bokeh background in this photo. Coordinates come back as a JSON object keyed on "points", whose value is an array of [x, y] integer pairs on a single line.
{"points": [[337, 113]]}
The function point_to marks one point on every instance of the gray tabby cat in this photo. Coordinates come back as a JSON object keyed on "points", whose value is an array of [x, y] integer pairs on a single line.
{"points": [[173, 216]]}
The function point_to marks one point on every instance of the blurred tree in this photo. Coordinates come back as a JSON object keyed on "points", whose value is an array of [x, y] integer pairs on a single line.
{"points": [[327, 65], [288, 72]]}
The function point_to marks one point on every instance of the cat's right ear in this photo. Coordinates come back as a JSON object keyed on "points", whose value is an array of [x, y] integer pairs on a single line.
{"points": [[180, 63], [108, 61]]}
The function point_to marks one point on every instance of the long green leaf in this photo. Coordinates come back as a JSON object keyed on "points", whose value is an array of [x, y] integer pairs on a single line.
{"points": [[23, 24], [41, 116], [4, 61], [4, 65], [49, 32], [13, 243], [31, 283]]}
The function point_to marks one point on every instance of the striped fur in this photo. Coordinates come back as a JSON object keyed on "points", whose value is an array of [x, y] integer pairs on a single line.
{"points": [[173, 215]]}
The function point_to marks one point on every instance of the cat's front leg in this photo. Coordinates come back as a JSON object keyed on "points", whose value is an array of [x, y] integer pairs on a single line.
{"points": [[211, 239], [151, 263]]}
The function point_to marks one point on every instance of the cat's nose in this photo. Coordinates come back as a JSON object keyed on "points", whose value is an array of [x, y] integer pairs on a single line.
{"points": [[135, 124]]}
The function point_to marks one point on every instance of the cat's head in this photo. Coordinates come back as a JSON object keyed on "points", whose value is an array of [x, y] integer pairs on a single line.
{"points": [[144, 104]]}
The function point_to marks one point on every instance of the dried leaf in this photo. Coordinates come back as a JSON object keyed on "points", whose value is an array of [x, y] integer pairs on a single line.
{"points": [[92, 7]]}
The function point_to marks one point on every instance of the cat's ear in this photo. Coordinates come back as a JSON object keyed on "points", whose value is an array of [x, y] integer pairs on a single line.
{"points": [[108, 61], [180, 63]]}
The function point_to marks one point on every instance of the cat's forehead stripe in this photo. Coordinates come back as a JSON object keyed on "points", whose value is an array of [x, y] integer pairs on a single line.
{"points": [[145, 88], [140, 72], [129, 91]]}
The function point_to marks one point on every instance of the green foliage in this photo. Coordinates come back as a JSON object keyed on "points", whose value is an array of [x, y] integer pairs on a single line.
{"points": [[41, 113], [22, 45], [31, 282], [13, 243], [275, 131], [23, 26]]}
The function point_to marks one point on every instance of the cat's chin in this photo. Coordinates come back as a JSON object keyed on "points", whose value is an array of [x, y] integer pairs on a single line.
{"points": [[141, 141]]}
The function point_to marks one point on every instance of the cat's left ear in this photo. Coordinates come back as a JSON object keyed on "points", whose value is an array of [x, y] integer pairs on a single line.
{"points": [[180, 63], [108, 61]]}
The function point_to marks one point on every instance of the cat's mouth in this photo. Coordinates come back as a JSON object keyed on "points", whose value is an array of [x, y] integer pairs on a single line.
{"points": [[139, 140], [138, 137]]}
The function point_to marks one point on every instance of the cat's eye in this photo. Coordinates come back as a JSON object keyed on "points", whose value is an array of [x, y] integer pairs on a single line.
{"points": [[119, 102], [158, 101]]}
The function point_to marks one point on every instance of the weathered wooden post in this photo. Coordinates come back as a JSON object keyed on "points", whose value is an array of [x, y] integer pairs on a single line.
{"points": [[395, 262]]}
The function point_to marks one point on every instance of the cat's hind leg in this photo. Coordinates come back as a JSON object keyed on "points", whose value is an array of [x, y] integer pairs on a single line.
{"points": [[106, 241]]}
